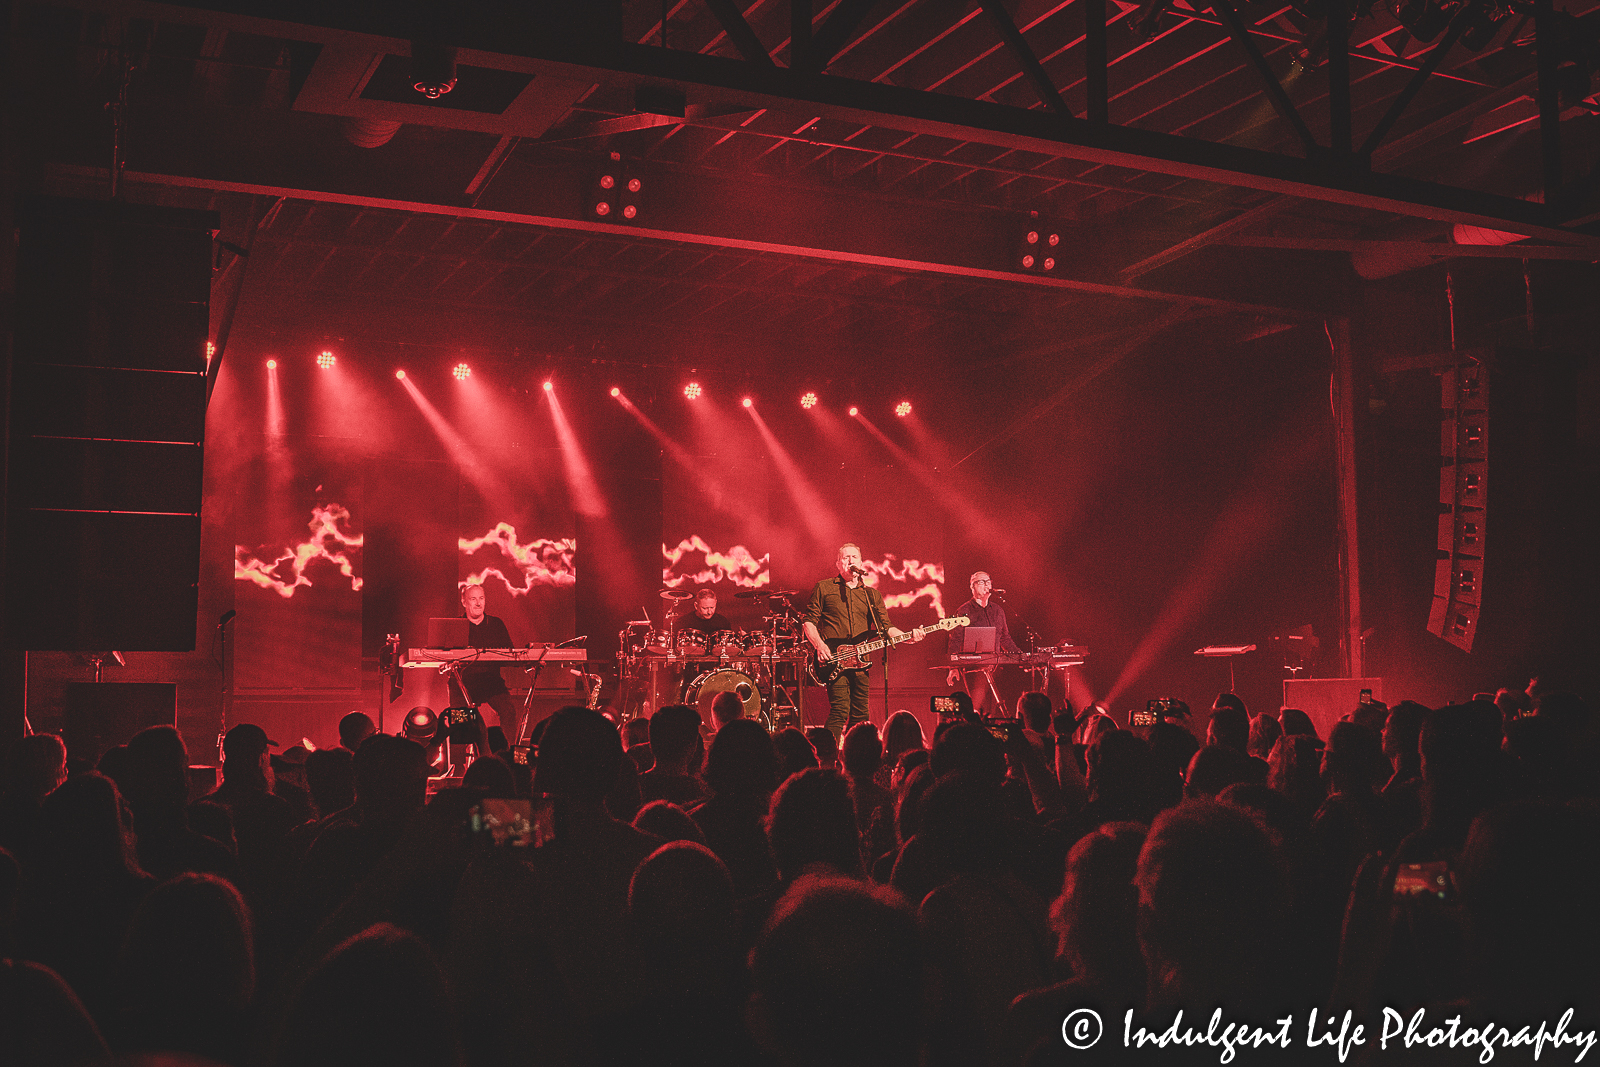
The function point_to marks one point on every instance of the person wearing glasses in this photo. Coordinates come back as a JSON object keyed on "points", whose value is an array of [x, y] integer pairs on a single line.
{"points": [[982, 613]]}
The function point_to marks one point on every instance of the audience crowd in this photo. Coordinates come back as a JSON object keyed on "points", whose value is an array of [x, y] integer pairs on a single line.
{"points": [[704, 892]]}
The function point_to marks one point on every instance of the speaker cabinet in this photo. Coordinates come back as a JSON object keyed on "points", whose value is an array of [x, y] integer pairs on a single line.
{"points": [[107, 426], [103, 715]]}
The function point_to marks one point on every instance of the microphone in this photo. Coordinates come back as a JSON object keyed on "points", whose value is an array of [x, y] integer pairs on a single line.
{"points": [[227, 617], [856, 569], [1001, 593]]}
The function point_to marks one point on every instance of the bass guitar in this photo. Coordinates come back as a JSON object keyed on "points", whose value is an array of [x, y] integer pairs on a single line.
{"points": [[850, 653]]}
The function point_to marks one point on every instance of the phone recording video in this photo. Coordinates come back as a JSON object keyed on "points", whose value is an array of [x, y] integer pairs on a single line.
{"points": [[514, 822]]}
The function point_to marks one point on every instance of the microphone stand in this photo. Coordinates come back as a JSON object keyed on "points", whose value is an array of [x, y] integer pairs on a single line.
{"points": [[882, 629]]}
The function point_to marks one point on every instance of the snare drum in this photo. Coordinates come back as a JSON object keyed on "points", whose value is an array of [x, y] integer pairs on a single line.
{"points": [[725, 644], [691, 643], [704, 689]]}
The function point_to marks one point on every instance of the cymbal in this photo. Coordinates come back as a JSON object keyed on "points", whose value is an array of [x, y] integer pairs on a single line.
{"points": [[751, 594], [784, 592], [675, 594]]}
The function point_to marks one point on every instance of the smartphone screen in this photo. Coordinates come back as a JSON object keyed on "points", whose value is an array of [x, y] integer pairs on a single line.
{"points": [[1424, 879], [514, 821], [942, 705], [1366, 696]]}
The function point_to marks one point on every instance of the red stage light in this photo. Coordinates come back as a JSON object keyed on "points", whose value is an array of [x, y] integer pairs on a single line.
{"points": [[808, 401], [629, 211], [692, 391], [1033, 237], [854, 412], [602, 208], [1049, 264], [1027, 261], [325, 360], [400, 374], [615, 391], [607, 181], [634, 185], [461, 372], [1055, 239], [549, 386], [272, 364], [749, 403], [903, 408]]}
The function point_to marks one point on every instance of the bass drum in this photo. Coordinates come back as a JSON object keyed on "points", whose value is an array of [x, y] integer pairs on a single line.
{"points": [[704, 689]]}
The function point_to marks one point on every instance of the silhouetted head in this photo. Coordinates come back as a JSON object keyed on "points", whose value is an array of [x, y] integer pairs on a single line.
{"points": [[379, 997], [1213, 896], [331, 779], [901, 734], [156, 779], [813, 821], [188, 969], [725, 708], [825, 743], [970, 748], [1216, 767], [1034, 710], [579, 756], [1229, 726], [1096, 916], [355, 728], [742, 760], [862, 753], [795, 753], [391, 775], [1295, 721], [38, 764], [1264, 733], [682, 914], [674, 730], [838, 976]]}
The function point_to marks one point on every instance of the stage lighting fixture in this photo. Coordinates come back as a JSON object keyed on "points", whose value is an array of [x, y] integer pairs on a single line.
{"points": [[615, 391], [422, 725], [272, 364], [461, 372], [749, 403], [400, 374], [614, 194], [1423, 19], [549, 386], [903, 408], [854, 412], [1037, 248], [325, 360], [808, 401], [433, 68], [211, 351], [692, 391]]}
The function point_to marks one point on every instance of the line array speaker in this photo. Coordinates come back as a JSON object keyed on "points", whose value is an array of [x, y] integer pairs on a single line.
{"points": [[1463, 504], [106, 426]]}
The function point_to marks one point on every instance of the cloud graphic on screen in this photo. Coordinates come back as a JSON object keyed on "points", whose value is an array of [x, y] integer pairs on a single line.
{"points": [[891, 573], [737, 565], [542, 563], [287, 572]]}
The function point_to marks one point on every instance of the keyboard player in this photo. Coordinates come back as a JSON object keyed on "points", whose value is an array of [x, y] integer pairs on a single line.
{"points": [[982, 613], [485, 685]]}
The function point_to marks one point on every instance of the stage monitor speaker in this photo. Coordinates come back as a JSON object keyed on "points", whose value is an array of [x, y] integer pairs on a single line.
{"points": [[103, 715], [1327, 700], [107, 426]]}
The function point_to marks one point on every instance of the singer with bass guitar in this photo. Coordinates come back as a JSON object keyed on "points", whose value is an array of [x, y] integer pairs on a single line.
{"points": [[845, 611]]}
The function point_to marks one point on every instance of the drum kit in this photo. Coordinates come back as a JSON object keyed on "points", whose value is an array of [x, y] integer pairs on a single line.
{"points": [[672, 664]]}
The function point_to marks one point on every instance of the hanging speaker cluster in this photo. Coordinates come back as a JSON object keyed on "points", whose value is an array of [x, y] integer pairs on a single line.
{"points": [[1463, 504]]}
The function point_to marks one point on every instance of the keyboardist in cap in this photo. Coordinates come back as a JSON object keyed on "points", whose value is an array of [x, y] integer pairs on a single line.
{"points": [[982, 613], [483, 680]]}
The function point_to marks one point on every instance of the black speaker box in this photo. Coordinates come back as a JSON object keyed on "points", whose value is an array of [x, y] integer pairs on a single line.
{"points": [[107, 426], [103, 715]]}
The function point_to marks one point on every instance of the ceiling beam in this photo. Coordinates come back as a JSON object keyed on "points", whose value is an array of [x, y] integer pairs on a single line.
{"points": [[814, 251], [559, 50]]}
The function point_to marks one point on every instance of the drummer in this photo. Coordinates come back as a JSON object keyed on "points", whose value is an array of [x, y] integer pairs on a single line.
{"points": [[706, 618]]}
